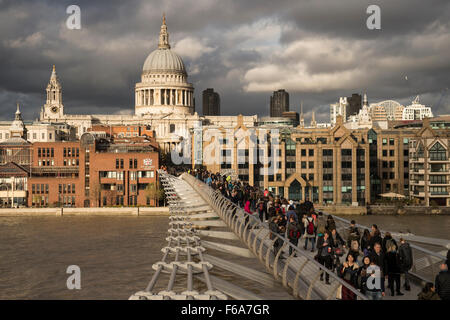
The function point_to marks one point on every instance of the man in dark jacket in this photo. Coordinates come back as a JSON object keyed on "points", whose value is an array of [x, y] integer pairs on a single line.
{"points": [[325, 254], [379, 259], [442, 283], [405, 261], [293, 233], [353, 234], [276, 228]]}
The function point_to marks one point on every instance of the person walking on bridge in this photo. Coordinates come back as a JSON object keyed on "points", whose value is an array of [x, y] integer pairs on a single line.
{"points": [[349, 272], [393, 269], [310, 232], [293, 233], [325, 255], [378, 258], [428, 292], [291, 213], [405, 260], [274, 226], [374, 288], [375, 237], [442, 283]]}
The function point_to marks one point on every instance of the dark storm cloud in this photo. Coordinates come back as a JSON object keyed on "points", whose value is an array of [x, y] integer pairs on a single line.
{"points": [[226, 45]]}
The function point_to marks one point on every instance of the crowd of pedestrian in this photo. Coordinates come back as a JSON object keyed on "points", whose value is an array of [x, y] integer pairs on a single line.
{"points": [[365, 259]]}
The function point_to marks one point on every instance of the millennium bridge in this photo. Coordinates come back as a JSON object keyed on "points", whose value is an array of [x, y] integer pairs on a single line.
{"points": [[207, 234]]}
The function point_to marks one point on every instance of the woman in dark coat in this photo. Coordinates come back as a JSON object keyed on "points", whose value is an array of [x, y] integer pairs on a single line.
{"points": [[363, 276], [331, 224], [365, 242], [349, 272], [393, 270], [375, 237]]}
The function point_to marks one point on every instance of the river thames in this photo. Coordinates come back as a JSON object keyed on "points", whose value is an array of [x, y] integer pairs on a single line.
{"points": [[115, 254]]}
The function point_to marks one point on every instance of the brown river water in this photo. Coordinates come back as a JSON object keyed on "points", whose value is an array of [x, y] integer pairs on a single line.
{"points": [[115, 254]]}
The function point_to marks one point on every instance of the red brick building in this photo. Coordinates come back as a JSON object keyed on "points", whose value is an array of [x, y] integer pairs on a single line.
{"points": [[95, 171]]}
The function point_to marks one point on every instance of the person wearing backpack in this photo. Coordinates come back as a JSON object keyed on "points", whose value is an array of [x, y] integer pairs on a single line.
{"points": [[293, 233], [388, 241], [310, 232], [406, 261]]}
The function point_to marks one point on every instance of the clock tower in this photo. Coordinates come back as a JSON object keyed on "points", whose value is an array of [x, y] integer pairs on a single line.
{"points": [[53, 108]]}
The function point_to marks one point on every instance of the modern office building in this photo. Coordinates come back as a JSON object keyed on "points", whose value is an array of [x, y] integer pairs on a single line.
{"points": [[211, 103], [354, 104], [279, 103], [338, 109], [416, 111]]}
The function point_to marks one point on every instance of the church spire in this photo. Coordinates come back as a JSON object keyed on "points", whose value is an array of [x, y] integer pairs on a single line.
{"points": [[313, 120], [164, 35], [302, 119]]}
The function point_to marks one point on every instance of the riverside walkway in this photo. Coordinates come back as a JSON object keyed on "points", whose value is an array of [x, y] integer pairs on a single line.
{"points": [[202, 220]]}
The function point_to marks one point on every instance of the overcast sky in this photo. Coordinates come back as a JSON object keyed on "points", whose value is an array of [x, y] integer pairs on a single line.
{"points": [[317, 50]]}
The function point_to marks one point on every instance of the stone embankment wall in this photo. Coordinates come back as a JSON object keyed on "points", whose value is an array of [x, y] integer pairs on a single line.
{"points": [[126, 211], [384, 210]]}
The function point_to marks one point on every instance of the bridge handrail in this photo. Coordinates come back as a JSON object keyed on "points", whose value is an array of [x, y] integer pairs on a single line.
{"points": [[223, 205]]}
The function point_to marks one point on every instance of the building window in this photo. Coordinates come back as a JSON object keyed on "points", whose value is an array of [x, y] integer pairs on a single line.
{"points": [[391, 141], [384, 141], [384, 153], [290, 165], [438, 152], [346, 164], [327, 164], [303, 152], [346, 152], [311, 152], [172, 128], [290, 148], [303, 164], [391, 153], [311, 164], [327, 152]]}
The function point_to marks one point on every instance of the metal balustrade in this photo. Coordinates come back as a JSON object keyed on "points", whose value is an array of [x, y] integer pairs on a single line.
{"points": [[298, 272]]}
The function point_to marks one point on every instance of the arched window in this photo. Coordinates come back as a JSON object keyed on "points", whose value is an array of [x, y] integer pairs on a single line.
{"points": [[438, 152]]}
